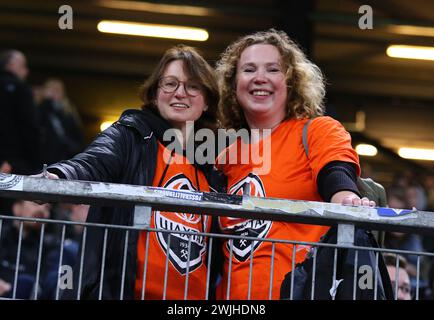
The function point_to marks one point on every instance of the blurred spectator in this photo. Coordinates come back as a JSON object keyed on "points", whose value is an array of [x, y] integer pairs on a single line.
{"points": [[4, 287], [431, 277], [28, 258], [416, 196], [429, 187], [75, 213], [428, 241], [38, 94], [62, 132], [19, 132], [408, 242], [402, 277], [5, 167], [403, 179], [416, 193], [71, 212], [27, 268], [397, 199], [78, 214]]}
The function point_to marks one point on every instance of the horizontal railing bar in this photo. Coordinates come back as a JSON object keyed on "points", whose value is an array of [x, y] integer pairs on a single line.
{"points": [[218, 235], [308, 212]]}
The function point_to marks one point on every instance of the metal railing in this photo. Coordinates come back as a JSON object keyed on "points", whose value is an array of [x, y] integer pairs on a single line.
{"points": [[146, 199]]}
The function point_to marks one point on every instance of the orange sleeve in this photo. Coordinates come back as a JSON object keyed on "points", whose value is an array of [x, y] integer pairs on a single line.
{"points": [[329, 141]]}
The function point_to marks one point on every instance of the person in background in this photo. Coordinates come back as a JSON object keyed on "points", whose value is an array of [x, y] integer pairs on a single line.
{"points": [[30, 238], [19, 132], [78, 213], [71, 253], [400, 277], [429, 187], [70, 212], [62, 136], [266, 82], [397, 199]]}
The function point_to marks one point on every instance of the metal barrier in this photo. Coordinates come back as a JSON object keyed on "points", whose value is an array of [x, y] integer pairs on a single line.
{"points": [[146, 199]]}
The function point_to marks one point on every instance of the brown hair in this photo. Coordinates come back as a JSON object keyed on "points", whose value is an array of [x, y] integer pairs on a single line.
{"points": [[198, 69], [305, 82], [390, 260]]}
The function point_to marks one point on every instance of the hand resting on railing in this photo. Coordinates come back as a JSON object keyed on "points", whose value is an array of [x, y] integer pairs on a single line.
{"points": [[352, 199]]}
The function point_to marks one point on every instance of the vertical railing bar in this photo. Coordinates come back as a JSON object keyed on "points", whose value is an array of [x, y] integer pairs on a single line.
{"points": [[101, 281], [335, 258], [166, 270], [208, 272], [417, 277], [396, 276], [145, 264], [294, 249], [356, 262], [17, 261], [249, 288], [376, 275], [83, 248], [312, 293], [124, 264], [271, 271], [62, 243], [228, 290], [38, 265], [188, 268]]}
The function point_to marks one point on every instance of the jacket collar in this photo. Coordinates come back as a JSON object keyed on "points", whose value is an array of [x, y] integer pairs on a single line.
{"points": [[146, 122], [9, 75]]}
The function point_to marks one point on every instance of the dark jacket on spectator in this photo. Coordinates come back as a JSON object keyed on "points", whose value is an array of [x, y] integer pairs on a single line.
{"points": [[19, 130], [124, 153], [27, 266], [61, 134]]}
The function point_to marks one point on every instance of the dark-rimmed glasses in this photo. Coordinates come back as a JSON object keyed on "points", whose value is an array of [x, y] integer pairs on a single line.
{"points": [[171, 84]]}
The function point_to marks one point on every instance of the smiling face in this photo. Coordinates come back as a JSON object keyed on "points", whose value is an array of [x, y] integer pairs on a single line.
{"points": [[179, 106], [261, 87]]}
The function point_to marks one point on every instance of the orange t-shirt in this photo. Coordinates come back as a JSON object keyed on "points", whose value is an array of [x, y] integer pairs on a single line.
{"points": [[180, 175], [292, 176]]}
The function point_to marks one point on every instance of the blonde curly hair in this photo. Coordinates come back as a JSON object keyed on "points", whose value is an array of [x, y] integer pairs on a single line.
{"points": [[305, 82]]}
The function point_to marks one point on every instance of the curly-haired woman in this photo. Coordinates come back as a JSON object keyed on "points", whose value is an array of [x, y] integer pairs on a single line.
{"points": [[268, 84]]}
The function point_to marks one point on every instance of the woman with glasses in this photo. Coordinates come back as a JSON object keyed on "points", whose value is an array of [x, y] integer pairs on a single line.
{"points": [[134, 150]]}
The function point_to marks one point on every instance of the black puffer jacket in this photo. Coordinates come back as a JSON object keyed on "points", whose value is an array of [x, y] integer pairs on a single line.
{"points": [[124, 153], [19, 130]]}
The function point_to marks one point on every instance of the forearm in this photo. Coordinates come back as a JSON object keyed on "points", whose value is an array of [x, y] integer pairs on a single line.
{"points": [[337, 184], [336, 176]]}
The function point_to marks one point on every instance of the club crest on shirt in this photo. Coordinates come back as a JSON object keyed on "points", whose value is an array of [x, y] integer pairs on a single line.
{"points": [[179, 243], [241, 248]]}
